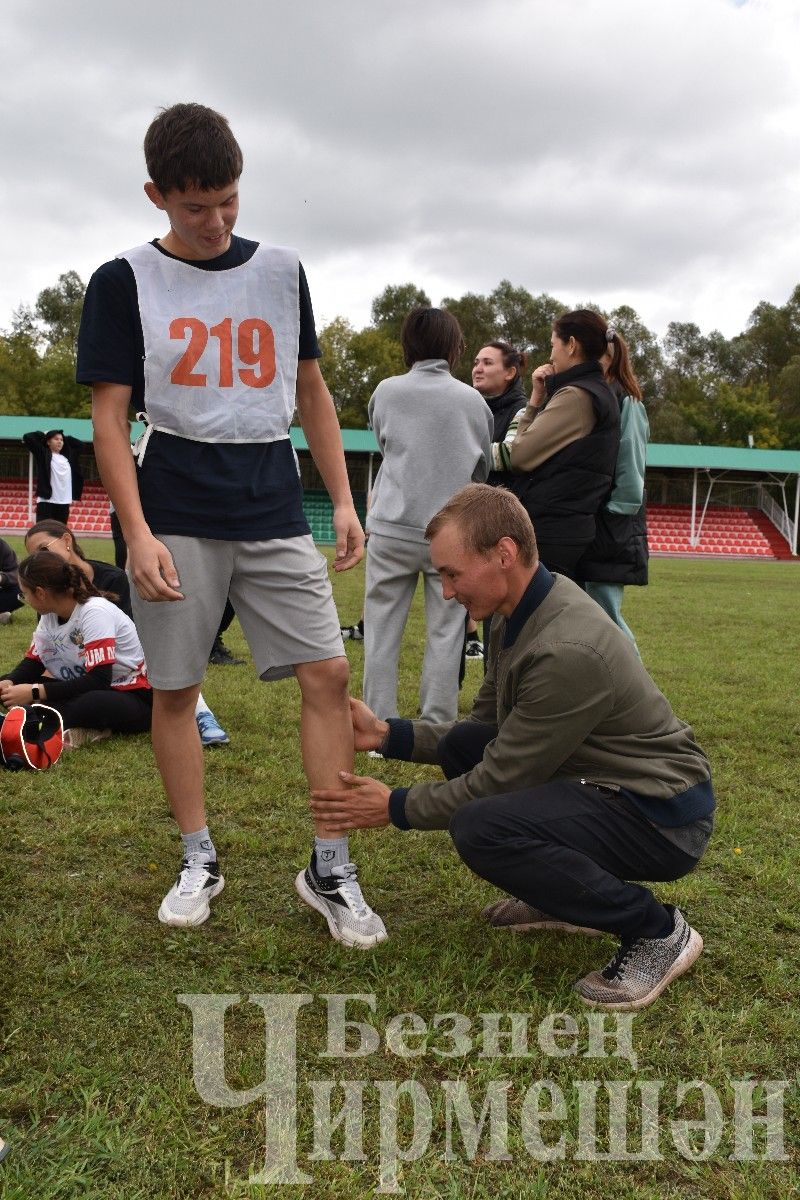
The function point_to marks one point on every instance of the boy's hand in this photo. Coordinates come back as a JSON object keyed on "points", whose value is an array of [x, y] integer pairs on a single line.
{"points": [[349, 538], [369, 732], [361, 803], [152, 569]]}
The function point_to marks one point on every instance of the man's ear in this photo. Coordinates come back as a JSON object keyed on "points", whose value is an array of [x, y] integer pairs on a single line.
{"points": [[508, 552], [154, 195]]}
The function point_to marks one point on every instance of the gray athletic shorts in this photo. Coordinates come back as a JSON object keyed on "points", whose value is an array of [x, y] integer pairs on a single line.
{"points": [[279, 589]]}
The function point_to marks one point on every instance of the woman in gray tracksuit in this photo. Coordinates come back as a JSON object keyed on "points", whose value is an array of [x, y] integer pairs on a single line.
{"points": [[435, 436]]}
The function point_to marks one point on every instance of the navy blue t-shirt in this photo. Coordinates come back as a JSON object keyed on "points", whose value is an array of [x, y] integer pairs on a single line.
{"points": [[222, 491]]}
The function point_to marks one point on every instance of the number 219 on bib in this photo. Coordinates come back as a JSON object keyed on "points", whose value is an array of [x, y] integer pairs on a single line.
{"points": [[255, 348]]}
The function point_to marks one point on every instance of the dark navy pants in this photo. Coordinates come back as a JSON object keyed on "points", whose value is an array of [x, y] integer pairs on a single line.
{"points": [[567, 848]]}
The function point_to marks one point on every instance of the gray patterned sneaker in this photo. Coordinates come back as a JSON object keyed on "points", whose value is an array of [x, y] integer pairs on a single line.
{"points": [[74, 738], [519, 916], [338, 897], [187, 901], [641, 970]]}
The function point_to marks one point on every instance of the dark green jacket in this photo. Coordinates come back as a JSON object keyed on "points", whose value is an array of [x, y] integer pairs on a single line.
{"points": [[571, 700]]}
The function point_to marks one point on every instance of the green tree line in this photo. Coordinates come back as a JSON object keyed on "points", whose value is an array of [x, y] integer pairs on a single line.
{"points": [[698, 388]]}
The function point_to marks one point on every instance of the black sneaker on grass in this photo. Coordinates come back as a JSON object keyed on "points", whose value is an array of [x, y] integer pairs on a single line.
{"points": [[188, 900], [339, 899], [221, 656], [641, 970]]}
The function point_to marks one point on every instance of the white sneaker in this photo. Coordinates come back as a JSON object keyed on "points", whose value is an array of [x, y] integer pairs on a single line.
{"points": [[339, 898], [188, 900]]}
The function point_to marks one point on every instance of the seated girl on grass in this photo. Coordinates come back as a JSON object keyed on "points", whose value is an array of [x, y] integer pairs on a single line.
{"points": [[85, 658]]}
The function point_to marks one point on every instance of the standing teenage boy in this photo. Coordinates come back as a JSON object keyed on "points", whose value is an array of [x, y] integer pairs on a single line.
{"points": [[213, 337]]}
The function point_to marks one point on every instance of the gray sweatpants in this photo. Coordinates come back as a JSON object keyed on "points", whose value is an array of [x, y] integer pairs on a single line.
{"points": [[393, 567]]}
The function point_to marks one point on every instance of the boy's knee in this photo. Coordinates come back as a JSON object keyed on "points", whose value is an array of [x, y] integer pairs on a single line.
{"points": [[331, 677], [176, 702]]}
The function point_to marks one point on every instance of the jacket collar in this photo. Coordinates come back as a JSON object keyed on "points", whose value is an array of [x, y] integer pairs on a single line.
{"points": [[514, 394], [536, 591], [431, 364], [582, 370]]}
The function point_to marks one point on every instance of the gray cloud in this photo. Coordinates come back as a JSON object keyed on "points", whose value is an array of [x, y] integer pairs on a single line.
{"points": [[620, 151]]}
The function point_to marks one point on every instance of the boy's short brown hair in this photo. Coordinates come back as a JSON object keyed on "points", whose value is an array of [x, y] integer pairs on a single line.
{"points": [[484, 515], [191, 146]]}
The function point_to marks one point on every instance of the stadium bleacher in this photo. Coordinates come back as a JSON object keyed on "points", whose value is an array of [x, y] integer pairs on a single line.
{"points": [[726, 531], [90, 515]]}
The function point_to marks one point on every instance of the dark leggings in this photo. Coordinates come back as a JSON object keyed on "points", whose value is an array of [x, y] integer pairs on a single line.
{"points": [[227, 616], [108, 708], [566, 848], [120, 548], [53, 512]]}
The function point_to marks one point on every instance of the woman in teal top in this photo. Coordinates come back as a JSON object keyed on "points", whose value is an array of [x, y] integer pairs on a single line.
{"points": [[619, 553]]}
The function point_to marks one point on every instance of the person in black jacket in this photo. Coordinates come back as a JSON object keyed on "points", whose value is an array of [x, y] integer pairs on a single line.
{"points": [[497, 375], [563, 448], [108, 579], [59, 479], [9, 583]]}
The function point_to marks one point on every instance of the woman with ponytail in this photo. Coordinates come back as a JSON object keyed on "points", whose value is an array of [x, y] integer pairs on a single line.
{"points": [[619, 553], [85, 658], [562, 448]]}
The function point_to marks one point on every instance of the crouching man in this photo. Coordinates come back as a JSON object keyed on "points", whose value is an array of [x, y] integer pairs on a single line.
{"points": [[571, 776]]}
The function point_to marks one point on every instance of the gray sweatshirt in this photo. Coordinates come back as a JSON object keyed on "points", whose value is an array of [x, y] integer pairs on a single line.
{"points": [[435, 436]]}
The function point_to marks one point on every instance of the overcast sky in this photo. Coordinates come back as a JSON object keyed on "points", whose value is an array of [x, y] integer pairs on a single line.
{"points": [[639, 152]]}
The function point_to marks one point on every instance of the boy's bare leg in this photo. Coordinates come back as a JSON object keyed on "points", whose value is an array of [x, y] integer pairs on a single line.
{"points": [[326, 736], [179, 754], [326, 729]]}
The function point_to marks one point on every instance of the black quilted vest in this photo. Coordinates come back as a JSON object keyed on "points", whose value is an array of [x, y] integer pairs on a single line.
{"points": [[563, 494]]}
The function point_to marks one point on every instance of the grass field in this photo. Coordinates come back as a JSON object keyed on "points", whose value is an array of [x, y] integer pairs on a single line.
{"points": [[98, 1098]]}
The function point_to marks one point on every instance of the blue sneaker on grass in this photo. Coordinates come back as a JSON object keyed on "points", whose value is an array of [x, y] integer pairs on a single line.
{"points": [[211, 732]]}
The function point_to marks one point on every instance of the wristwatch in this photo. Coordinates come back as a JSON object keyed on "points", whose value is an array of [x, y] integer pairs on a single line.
{"points": [[36, 693]]}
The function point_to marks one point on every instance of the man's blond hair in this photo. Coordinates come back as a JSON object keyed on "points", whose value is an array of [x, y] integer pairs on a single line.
{"points": [[484, 515]]}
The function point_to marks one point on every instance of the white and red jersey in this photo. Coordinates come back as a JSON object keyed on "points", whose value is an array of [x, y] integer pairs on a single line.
{"points": [[98, 634]]}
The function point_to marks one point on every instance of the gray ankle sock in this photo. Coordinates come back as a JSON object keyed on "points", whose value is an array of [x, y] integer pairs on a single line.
{"points": [[199, 843], [330, 853]]}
